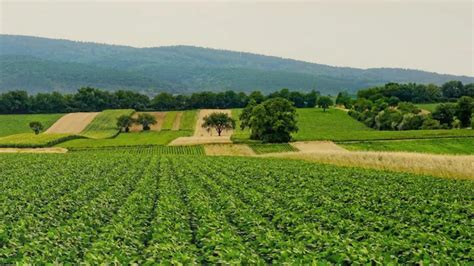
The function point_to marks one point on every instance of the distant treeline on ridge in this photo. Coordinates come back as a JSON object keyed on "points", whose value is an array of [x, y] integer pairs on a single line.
{"points": [[91, 99]]}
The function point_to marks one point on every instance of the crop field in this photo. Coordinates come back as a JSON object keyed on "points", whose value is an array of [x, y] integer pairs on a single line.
{"points": [[188, 121], [271, 148], [30, 140], [239, 135], [337, 125], [16, 124], [107, 207], [169, 120], [104, 124], [146, 150], [129, 139], [437, 146]]}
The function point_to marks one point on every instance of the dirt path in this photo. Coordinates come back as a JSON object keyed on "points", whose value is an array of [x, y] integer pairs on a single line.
{"points": [[177, 121], [72, 123], [33, 150], [201, 135], [315, 146], [160, 117]]}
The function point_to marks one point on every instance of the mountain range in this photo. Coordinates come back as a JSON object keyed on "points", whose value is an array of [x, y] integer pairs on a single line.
{"points": [[41, 65]]}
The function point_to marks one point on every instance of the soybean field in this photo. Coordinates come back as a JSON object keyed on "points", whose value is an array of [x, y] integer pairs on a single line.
{"points": [[98, 207]]}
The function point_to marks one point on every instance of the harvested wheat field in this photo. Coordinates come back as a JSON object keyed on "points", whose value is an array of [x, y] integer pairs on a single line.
{"points": [[452, 166], [201, 135], [33, 150], [72, 123], [160, 117], [228, 149]]}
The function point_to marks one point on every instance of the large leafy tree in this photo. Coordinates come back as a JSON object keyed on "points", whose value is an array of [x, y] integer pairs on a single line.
{"points": [[124, 122], [464, 110], [324, 102], [452, 89], [146, 120], [444, 113], [271, 121], [218, 121]]}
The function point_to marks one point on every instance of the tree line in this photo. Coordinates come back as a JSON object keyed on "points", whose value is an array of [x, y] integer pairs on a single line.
{"points": [[392, 114], [92, 100], [419, 93]]}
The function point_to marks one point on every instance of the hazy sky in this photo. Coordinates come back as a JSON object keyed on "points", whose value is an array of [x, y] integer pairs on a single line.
{"points": [[434, 36]]}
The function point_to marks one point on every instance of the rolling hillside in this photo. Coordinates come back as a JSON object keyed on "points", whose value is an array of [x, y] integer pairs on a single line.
{"points": [[41, 64]]}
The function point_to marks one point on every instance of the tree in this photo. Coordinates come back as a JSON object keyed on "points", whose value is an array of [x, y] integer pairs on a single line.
{"points": [[36, 127], [164, 101], [145, 120], [452, 89], [465, 107], [444, 113], [125, 122], [393, 101], [218, 121], [324, 102], [246, 114], [272, 121], [343, 98], [311, 98], [257, 96]]}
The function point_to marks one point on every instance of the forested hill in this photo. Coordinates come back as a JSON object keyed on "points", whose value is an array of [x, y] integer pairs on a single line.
{"points": [[41, 64]]}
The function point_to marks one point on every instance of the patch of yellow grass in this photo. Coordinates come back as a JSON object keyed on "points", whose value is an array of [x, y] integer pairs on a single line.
{"points": [[33, 150], [452, 166], [228, 149]]}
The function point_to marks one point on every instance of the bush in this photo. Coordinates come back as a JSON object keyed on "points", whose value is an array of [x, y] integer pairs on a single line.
{"points": [[411, 121], [430, 123]]}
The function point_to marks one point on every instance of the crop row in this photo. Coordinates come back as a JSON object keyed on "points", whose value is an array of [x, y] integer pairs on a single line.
{"points": [[115, 207], [146, 150], [271, 148]]}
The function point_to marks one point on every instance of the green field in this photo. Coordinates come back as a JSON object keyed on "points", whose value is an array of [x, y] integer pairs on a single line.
{"points": [[128, 209], [239, 135], [188, 120], [169, 119], [30, 140], [271, 148], [15, 124], [337, 125], [146, 150], [437, 146], [129, 139], [427, 106], [104, 124]]}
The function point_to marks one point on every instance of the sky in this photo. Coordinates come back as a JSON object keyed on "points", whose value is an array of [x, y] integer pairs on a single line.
{"points": [[434, 36]]}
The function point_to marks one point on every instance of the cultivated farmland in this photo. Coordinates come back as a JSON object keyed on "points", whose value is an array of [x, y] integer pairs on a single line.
{"points": [[437, 146], [16, 124], [337, 125], [107, 207], [129, 139], [30, 140], [104, 124]]}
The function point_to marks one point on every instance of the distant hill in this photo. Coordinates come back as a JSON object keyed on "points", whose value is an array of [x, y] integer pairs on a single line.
{"points": [[41, 64]]}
